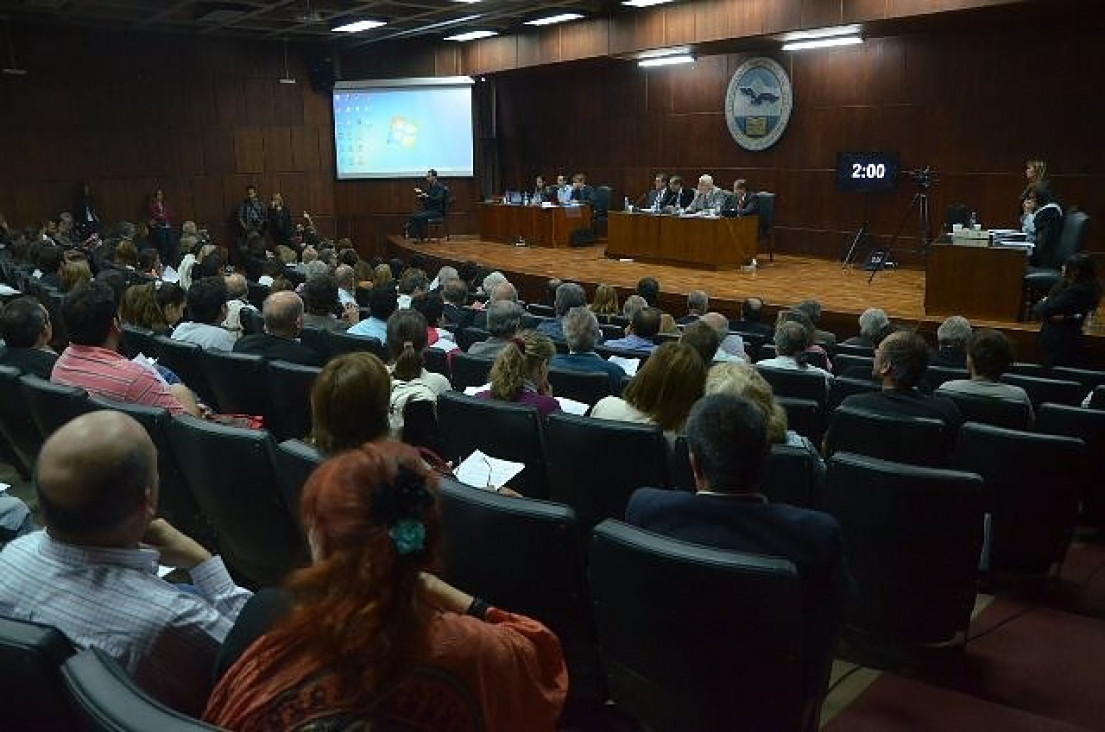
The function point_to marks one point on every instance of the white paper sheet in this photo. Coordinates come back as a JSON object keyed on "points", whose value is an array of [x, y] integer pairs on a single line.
{"points": [[483, 471], [629, 365], [571, 406]]}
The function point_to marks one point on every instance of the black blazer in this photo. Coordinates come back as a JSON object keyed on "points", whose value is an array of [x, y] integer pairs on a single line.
{"points": [[686, 195], [811, 539], [275, 348], [747, 207], [1061, 339], [461, 317]]}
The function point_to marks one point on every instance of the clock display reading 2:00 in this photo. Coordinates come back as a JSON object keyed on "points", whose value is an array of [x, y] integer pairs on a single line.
{"points": [[871, 170]]}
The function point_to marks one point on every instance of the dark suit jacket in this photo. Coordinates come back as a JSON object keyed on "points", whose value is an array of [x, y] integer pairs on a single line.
{"points": [[810, 539], [747, 206], [948, 357], [461, 317], [1061, 340], [435, 197], [686, 195], [275, 348], [584, 194], [30, 361], [591, 362]]}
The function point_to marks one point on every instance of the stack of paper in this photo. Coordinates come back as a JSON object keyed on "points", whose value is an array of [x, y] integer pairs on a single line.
{"points": [[629, 365], [571, 406]]}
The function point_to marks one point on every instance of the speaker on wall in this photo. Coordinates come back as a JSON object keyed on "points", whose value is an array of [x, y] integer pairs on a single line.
{"points": [[321, 73]]}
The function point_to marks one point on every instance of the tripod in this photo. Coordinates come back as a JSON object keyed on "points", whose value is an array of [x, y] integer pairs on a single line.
{"points": [[857, 241], [882, 258]]}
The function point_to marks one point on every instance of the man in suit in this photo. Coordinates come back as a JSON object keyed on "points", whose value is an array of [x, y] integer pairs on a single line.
{"points": [[900, 362], [952, 337], [433, 205], [743, 203], [569, 295], [752, 318], [455, 292], [677, 197], [581, 330], [283, 313], [708, 197], [698, 302], [655, 197], [581, 192], [823, 338], [728, 443]]}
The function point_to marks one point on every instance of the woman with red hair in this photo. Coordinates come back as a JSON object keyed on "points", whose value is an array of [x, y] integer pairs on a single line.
{"points": [[368, 635]]}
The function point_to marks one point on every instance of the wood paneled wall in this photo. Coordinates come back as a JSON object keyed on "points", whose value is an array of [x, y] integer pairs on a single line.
{"points": [[200, 118]]}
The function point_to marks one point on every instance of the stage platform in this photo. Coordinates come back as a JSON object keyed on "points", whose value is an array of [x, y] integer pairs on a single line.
{"points": [[843, 293]]}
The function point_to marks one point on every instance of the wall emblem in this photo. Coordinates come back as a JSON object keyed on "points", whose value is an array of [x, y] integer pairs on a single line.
{"points": [[758, 103]]}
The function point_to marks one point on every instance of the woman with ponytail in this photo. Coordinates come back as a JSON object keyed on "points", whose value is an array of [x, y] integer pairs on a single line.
{"points": [[520, 373], [410, 381], [367, 636]]}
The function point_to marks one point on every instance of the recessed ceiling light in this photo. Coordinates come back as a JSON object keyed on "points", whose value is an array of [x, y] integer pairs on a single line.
{"points": [[658, 52], [822, 43], [551, 19], [644, 3], [358, 26], [666, 61], [472, 35], [809, 35]]}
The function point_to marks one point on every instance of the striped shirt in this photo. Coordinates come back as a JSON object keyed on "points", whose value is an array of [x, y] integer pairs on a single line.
{"points": [[112, 599], [104, 372]]}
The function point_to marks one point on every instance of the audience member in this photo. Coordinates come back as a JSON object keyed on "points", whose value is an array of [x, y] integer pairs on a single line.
{"points": [[581, 331], [410, 381], [812, 310], [792, 342], [236, 299], [662, 392], [320, 302], [641, 334], [569, 295], [26, 329], [92, 573], [520, 373], [989, 355], [1064, 312], [206, 311], [752, 318], [74, 272], [93, 363], [668, 325], [347, 285], [49, 262], [873, 327], [283, 313], [702, 338], [952, 337], [155, 306], [188, 246], [489, 282], [633, 305], [382, 302], [15, 519], [606, 300], [412, 285], [817, 353], [350, 402], [149, 263], [455, 294], [433, 310], [731, 345], [649, 289], [504, 320], [698, 302], [728, 441], [365, 632]]}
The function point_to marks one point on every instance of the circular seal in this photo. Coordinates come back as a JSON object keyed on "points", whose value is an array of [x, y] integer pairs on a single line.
{"points": [[758, 103]]}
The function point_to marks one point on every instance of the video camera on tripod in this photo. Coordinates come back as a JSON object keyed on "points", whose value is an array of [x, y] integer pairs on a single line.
{"points": [[923, 178]]}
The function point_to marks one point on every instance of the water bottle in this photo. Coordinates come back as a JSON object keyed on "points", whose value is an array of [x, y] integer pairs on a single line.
{"points": [[628, 205], [525, 198], [974, 219]]}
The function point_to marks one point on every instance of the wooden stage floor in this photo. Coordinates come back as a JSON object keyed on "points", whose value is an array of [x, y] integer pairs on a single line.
{"points": [[843, 293]]}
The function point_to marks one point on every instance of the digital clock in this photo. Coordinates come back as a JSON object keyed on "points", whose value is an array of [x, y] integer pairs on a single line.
{"points": [[858, 172]]}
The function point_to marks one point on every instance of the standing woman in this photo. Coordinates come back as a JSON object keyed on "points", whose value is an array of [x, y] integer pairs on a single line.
{"points": [[161, 230], [1064, 312], [280, 221], [86, 218]]}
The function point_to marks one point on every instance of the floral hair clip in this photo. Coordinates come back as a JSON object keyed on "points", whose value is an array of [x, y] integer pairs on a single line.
{"points": [[409, 536]]}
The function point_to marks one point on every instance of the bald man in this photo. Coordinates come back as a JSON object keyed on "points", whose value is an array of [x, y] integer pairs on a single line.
{"points": [[92, 573], [283, 313], [731, 346]]}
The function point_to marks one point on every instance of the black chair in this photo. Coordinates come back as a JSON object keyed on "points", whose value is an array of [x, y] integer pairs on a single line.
{"points": [[1097, 398], [1038, 281], [1089, 379], [988, 410], [52, 405], [753, 342], [183, 359], [797, 384], [231, 473], [583, 386], [339, 342], [767, 350], [937, 375], [108, 700], [1089, 426], [793, 475], [1032, 493], [845, 386], [766, 215], [531, 321], [295, 461], [289, 398], [420, 425], [175, 500], [440, 221], [135, 340], [612, 332], [256, 294], [1027, 369], [530, 538], [30, 669], [912, 538], [676, 662], [467, 336], [469, 371], [541, 311], [315, 338], [252, 320], [596, 464], [436, 361], [845, 363], [804, 416], [1041, 390], [848, 349], [21, 433], [237, 381], [499, 429], [912, 440]]}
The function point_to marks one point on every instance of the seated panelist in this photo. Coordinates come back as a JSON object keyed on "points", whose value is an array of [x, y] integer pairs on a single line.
{"points": [[708, 197], [677, 197], [652, 199], [743, 202]]}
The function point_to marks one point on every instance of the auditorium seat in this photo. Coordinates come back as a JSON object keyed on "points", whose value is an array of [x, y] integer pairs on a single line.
{"points": [[491, 540], [583, 386], [231, 474], [315, 338], [1038, 281], [175, 502], [1032, 494], [339, 342], [252, 321], [1089, 426], [937, 375], [848, 349], [695, 638], [1097, 398], [435, 361], [134, 340], [790, 475], [753, 342], [289, 386], [30, 667], [1087, 377], [498, 429], [469, 371], [797, 384], [21, 434], [851, 365], [1007, 413], [183, 359], [767, 350], [845, 386], [1025, 368], [256, 294], [52, 405], [295, 461], [541, 311], [467, 336], [237, 382], [912, 440], [1040, 390], [804, 416], [912, 537], [108, 700], [596, 464], [420, 425]]}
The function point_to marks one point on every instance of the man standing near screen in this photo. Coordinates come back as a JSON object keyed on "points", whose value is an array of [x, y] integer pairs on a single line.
{"points": [[433, 205]]}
